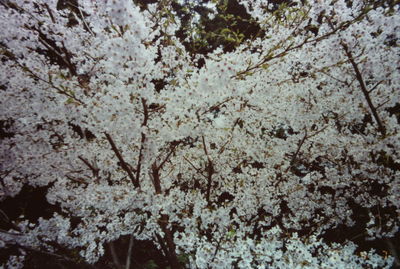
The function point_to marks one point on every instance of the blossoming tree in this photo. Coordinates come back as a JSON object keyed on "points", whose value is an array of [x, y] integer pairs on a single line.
{"points": [[233, 159]]}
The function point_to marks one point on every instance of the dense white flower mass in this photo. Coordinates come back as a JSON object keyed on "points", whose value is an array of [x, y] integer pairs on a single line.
{"points": [[245, 161]]}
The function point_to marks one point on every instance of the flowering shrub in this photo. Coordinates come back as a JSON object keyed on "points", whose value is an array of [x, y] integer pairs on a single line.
{"points": [[245, 161]]}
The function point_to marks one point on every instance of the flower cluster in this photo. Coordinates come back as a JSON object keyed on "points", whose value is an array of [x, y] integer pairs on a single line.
{"points": [[247, 160]]}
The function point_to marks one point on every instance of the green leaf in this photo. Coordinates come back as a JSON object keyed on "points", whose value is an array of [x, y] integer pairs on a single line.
{"points": [[69, 101], [151, 265], [183, 258], [231, 233], [226, 31]]}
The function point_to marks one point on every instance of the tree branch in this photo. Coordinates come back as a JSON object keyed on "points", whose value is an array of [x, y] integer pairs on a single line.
{"points": [[129, 254], [210, 171], [270, 57], [60, 91], [114, 255], [294, 157], [122, 162], [163, 222], [364, 90], [142, 140]]}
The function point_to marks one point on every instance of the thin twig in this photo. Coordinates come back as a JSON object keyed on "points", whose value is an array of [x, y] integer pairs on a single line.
{"points": [[222, 149], [376, 85], [383, 103], [216, 106], [83, 18], [76, 180], [294, 158], [197, 169], [91, 167], [172, 150], [50, 13]]}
